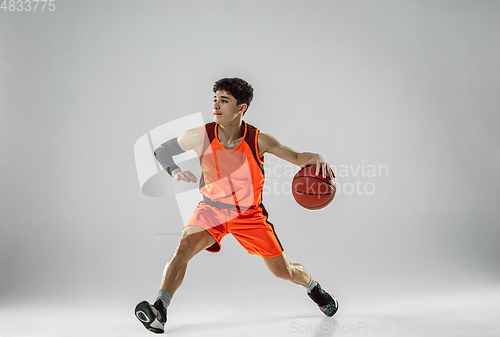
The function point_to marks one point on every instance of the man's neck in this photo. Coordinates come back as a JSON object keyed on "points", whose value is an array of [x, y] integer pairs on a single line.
{"points": [[231, 132]]}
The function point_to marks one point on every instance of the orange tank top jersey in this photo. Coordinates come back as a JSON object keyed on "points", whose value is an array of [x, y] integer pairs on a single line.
{"points": [[232, 177], [231, 183]]}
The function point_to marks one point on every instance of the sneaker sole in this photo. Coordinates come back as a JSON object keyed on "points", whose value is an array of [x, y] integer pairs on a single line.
{"points": [[147, 317]]}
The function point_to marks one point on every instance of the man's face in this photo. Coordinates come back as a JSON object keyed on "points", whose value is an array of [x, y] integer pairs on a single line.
{"points": [[225, 108]]}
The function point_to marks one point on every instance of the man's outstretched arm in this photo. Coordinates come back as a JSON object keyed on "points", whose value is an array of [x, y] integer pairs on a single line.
{"points": [[269, 144]]}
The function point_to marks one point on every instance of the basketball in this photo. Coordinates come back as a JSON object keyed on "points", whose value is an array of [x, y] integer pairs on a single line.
{"points": [[312, 191]]}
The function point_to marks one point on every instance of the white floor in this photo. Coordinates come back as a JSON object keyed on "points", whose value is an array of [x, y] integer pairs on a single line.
{"points": [[474, 313]]}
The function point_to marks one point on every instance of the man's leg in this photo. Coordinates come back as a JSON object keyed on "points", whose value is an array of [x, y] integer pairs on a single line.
{"points": [[194, 239], [295, 272], [282, 268]]}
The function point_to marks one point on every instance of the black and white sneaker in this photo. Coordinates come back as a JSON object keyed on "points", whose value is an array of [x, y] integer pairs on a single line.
{"points": [[326, 302], [153, 316]]}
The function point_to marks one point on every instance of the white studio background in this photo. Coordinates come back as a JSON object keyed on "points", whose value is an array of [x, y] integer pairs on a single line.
{"points": [[398, 96]]}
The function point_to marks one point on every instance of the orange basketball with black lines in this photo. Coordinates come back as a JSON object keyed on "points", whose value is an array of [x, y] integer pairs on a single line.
{"points": [[312, 191]]}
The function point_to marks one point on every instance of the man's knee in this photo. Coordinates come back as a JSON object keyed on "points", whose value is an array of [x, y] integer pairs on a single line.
{"points": [[191, 244], [184, 247]]}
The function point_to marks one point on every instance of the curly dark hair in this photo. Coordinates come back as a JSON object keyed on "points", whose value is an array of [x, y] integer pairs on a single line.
{"points": [[236, 87]]}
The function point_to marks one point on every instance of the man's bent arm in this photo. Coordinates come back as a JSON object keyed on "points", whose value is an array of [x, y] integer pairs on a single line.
{"points": [[190, 139]]}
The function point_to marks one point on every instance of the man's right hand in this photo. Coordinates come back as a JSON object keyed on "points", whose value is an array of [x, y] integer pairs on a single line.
{"points": [[186, 176]]}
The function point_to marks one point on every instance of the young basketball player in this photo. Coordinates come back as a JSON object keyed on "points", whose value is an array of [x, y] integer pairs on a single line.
{"points": [[231, 158]]}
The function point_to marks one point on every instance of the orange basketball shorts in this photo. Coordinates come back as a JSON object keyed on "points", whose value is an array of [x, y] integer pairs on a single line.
{"points": [[250, 228]]}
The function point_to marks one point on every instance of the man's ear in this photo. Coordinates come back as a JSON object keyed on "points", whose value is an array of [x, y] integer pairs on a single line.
{"points": [[243, 108]]}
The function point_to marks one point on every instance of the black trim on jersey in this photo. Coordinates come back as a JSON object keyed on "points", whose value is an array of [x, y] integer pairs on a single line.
{"points": [[264, 211]]}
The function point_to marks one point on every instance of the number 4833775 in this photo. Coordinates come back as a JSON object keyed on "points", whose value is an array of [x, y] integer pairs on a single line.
{"points": [[28, 5]]}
